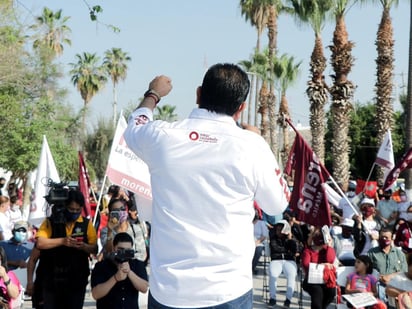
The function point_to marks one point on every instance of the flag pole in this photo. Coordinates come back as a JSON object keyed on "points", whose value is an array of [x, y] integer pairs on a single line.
{"points": [[100, 199], [369, 176]]}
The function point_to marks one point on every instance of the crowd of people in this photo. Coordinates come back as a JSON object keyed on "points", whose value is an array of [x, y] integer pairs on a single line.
{"points": [[205, 237], [374, 233]]}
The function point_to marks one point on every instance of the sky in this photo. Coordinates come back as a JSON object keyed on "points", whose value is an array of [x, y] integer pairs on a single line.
{"points": [[182, 38]]}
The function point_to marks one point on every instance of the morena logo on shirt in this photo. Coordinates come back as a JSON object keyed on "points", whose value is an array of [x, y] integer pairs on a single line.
{"points": [[194, 136], [202, 137]]}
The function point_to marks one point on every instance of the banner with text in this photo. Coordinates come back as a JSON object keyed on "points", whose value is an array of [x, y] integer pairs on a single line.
{"points": [[128, 171]]}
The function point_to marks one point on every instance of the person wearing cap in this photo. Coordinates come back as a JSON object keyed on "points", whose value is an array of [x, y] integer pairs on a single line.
{"points": [[366, 228], [18, 249], [345, 243], [387, 209], [344, 202], [283, 251]]}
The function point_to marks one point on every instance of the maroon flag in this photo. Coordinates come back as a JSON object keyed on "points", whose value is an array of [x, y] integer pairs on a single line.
{"points": [[309, 199], [84, 185], [403, 164]]}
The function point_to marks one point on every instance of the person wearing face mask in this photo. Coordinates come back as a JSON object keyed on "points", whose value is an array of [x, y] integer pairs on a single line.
{"points": [[403, 237], [366, 228], [18, 249], [387, 260], [118, 280], [387, 209], [118, 222], [66, 240], [403, 206]]}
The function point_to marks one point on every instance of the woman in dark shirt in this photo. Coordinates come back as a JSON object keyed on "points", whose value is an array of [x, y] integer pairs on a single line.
{"points": [[283, 251]]}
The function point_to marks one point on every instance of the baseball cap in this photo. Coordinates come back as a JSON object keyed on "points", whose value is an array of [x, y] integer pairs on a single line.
{"points": [[20, 225]]}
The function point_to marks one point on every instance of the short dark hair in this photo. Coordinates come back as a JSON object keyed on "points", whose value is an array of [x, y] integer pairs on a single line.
{"points": [[122, 237], [225, 87], [115, 200], [75, 196], [367, 261]]}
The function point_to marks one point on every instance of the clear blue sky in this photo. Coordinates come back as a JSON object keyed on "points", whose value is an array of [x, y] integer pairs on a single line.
{"points": [[181, 38]]}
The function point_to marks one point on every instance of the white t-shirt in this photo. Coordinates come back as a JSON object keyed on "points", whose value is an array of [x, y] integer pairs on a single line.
{"points": [[6, 226], [403, 209], [260, 229], [400, 281], [205, 174]]}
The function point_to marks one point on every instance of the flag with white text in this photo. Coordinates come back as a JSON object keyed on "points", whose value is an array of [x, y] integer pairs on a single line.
{"points": [[309, 198], [128, 171]]}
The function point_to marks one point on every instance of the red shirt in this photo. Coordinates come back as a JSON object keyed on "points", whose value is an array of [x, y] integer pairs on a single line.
{"points": [[325, 255]]}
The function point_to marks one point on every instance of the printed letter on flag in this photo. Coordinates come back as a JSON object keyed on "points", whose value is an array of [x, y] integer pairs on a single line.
{"points": [[403, 164], [308, 199], [127, 170], [46, 169]]}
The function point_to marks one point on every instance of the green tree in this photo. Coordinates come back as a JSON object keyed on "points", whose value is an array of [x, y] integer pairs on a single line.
{"points": [[313, 13], [286, 70], [98, 145], [89, 78], [256, 12], [115, 64], [165, 112], [53, 32]]}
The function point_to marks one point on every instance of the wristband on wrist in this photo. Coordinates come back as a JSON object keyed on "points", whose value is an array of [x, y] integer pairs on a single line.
{"points": [[6, 283], [153, 94]]}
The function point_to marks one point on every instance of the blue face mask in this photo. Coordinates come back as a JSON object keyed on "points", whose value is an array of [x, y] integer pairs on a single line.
{"points": [[20, 236], [71, 216]]}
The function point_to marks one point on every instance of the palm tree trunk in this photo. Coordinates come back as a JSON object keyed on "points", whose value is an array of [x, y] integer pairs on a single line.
{"points": [[342, 94], [317, 92], [384, 84]]}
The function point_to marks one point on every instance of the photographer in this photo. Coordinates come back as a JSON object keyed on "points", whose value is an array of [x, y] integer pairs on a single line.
{"points": [[117, 279], [66, 239]]}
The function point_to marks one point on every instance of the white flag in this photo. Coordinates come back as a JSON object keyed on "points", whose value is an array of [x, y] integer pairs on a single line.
{"points": [[128, 171], [46, 169], [385, 157]]}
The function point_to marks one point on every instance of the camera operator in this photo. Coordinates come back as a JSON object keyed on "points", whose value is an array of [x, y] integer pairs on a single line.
{"points": [[66, 239], [117, 280]]}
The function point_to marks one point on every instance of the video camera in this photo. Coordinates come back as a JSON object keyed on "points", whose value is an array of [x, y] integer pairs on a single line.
{"points": [[122, 255], [57, 197]]}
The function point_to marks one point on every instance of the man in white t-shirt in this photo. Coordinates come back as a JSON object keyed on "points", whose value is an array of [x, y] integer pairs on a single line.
{"points": [[205, 172]]}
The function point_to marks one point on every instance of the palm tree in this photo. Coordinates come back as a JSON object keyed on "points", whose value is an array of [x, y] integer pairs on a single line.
{"points": [[89, 78], [53, 32], [313, 12], [166, 113], [115, 65], [384, 73], [286, 72], [255, 12], [342, 93]]}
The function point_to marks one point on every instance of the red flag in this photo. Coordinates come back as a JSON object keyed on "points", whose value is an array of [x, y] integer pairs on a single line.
{"points": [[368, 188], [309, 199], [84, 185], [403, 164]]}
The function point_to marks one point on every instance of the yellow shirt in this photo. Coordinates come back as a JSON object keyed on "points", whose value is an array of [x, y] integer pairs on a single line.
{"points": [[46, 231]]}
